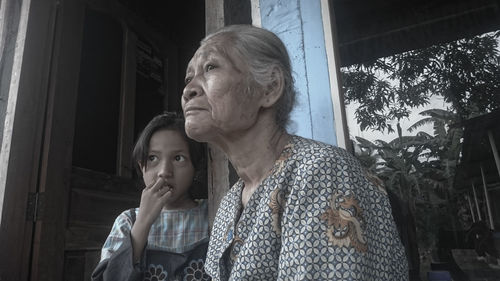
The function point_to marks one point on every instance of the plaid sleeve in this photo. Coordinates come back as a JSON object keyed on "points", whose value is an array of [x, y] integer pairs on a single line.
{"points": [[119, 233]]}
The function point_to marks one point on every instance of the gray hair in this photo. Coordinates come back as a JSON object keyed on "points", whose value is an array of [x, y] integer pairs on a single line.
{"points": [[262, 50]]}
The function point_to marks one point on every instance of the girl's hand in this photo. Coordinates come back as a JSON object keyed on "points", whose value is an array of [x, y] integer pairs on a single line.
{"points": [[153, 199]]}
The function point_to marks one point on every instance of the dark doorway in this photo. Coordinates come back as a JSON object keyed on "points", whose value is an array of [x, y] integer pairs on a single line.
{"points": [[133, 59]]}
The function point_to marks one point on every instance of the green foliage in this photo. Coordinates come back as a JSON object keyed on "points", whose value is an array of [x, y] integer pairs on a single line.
{"points": [[465, 73], [420, 169]]}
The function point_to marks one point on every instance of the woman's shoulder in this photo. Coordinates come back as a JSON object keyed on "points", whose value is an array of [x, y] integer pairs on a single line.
{"points": [[311, 150], [325, 165]]}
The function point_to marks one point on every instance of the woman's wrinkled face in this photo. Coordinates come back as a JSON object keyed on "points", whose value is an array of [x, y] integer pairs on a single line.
{"points": [[219, 97]]}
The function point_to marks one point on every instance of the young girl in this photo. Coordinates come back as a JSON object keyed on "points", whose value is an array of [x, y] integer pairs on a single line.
{"points": [[166, 238]]}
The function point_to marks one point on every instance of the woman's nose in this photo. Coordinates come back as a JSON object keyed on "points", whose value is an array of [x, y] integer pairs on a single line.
{"points": [[189, 92]]}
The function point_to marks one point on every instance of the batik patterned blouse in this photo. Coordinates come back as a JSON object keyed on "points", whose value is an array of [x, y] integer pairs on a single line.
{"points": [[315, 217]]}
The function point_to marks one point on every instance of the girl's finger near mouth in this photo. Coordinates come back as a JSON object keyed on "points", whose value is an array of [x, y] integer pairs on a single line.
{"points": [[158, 184]]}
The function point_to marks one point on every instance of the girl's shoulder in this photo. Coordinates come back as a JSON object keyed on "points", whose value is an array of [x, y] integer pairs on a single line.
{"points": [[127, 216]]}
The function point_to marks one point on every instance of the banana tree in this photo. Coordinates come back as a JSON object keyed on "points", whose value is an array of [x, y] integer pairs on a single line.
{"points": [[442, 150], [396, 162]]}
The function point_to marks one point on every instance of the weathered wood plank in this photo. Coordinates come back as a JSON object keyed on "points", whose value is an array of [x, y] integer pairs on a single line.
{"points": [[78, 265], [84, 238], [127, 104], [216, 11], [24, 125], [98, 208], [91, 180], [54, 177]]}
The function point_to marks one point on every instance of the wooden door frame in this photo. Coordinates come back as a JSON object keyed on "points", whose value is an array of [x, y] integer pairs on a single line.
{"points": [[55, 166], [16, 176], [39, 157], [40, 127]]}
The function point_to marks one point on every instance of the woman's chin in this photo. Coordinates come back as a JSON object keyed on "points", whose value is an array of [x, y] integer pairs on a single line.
{"points": [[197, 132]]}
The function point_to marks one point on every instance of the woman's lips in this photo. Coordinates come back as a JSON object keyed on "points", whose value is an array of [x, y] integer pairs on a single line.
{"points": [[192, 110]]}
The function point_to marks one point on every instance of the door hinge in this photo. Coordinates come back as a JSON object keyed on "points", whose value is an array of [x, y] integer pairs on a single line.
{"points": [[35, 206]]}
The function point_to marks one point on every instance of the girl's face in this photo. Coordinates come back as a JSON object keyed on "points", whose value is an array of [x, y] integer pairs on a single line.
{"points": [[169, 158]]}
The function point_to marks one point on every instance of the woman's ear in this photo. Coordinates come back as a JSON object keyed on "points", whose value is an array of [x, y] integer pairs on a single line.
{"points": [[274, 89]]}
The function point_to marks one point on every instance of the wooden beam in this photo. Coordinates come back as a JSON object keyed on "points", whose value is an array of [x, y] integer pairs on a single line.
{"points": [[495, 151], [487, 199], [237, 12], [127, 105], [479, 218], [467, 197], [214, 15], [218, 164]]}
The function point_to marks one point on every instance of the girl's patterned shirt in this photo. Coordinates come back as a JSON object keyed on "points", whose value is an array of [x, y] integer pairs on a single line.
{"points": [[175, 231], [315, 217], [176, 248]]}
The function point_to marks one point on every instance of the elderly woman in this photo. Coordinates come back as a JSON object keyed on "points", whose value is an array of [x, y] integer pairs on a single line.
{"points": [[301, 210]]}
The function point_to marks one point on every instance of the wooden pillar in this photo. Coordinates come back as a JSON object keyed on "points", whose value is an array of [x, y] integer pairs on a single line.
{"points": [[495, 151], [214, 15], [218, 172], [467, 197], [308, 30], [333, 56], [479, 218], [127, 103], [487, 198], [219, 13]]}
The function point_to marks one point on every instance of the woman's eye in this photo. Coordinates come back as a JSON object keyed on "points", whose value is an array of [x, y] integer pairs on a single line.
{"points": [[180, 158], [209, 67]]}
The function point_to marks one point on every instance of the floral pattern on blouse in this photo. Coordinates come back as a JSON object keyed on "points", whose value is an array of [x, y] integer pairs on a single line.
{"points": [[344, 219]]}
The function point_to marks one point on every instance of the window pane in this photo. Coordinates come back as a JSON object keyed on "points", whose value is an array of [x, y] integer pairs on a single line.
{"points": [[96, 125]]}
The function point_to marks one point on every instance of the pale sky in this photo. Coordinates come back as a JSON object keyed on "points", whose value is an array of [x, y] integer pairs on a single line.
{"points": [[355, 130]]}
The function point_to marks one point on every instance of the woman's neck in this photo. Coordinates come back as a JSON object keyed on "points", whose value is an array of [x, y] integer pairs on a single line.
{"points": [[254, 153]]}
